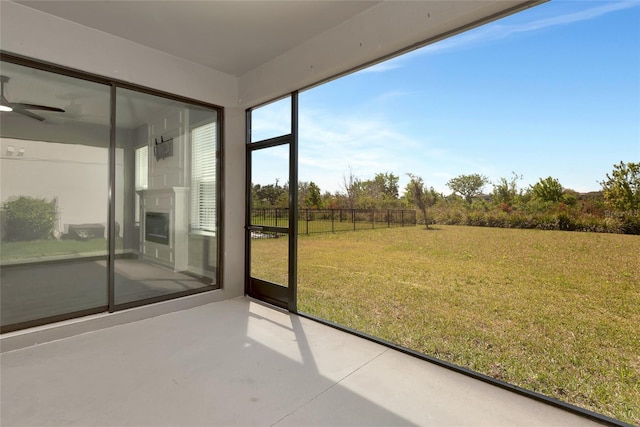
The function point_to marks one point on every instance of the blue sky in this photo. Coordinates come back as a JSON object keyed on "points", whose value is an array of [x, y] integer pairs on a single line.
{"points": [[552, 91]]}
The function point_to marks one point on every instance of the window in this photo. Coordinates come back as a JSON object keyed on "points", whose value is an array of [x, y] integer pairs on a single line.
{"points": [[110, 216], [142, 168], [142, 176], [156, 137], [53, 187], [203, 178]]}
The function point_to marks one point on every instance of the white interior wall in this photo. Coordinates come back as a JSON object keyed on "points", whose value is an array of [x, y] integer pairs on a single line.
{"points": [[34, 34], [75, 175], [71, 167]]}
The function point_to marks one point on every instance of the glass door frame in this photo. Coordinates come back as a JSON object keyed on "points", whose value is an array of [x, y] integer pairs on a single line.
{"points": [[113, 305], [114, 84], [272, 293]]}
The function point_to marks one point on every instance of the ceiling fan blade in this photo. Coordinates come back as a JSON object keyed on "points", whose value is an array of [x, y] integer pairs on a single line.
{"points": [[4, 102], [24, 106], [20, 110]]}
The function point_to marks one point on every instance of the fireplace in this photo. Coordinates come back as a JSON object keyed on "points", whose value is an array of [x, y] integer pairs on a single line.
{"points": [[164, 236], [156, 228]]}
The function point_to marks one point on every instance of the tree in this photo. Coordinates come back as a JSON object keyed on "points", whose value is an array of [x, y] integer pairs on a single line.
{"points": [[377, 193], [303, 192], [283, 198], [313, 198], [385, 185], [548, 190], [417, 194], [468, 186], [506, 191], [273, 194], [351, 185], [622, 188]]}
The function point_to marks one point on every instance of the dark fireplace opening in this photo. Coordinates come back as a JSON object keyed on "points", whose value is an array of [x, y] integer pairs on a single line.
{"points": [[156, 227]]}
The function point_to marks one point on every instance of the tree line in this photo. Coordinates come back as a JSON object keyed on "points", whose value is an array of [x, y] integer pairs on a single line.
{"points": [[380, 192], [475, 200]]}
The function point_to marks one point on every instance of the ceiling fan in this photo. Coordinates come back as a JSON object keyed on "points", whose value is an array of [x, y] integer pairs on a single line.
{"points": [[20, 107]]}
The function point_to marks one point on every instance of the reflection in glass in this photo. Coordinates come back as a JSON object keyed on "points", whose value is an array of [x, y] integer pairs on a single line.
{"points": [[54, 186], [165, 196]]}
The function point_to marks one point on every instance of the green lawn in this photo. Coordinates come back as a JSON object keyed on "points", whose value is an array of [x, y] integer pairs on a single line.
{"points": [[554, 312], [36, 249]]}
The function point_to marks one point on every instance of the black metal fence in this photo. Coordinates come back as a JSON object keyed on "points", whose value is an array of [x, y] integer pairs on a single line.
{"points": [[334, 220]]}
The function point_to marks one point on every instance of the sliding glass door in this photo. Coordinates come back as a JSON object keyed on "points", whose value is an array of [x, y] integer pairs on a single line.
{"points": [[54, 167], [109, 195], [165, 180]]}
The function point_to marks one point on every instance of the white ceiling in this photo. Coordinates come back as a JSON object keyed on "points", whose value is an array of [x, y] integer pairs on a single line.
{"points": [[230, 36], [273, 46]]}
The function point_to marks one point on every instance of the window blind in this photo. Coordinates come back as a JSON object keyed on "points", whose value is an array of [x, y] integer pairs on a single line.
{"points": [[141, 176], [203, 177]]}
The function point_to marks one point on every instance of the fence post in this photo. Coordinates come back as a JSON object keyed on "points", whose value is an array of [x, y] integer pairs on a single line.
{"points": [[332, 220], [353, 218], [388, 218], [402, 217], [373, 219], [307, 216]]}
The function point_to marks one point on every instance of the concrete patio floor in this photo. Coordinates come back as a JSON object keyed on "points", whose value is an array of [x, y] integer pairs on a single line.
{"points": [[238, 362]]}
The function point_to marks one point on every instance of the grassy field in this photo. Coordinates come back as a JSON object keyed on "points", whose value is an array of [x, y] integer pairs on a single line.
{"points": [[10, 251], [550, 311]]}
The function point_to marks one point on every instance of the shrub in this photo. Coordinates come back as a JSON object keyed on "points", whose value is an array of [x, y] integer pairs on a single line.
{"points": [[29, 218], [477, 219], [631, 224], [538, 206], [564, 222], [517, 220], [598, 224], [449, 215], [498, 219], [505, 207], [547, 221], [538, 214]]}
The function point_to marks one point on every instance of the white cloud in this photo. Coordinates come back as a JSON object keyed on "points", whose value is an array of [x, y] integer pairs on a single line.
{"points": [[497, 31], [570, 18], [330, 144], [271, 120]]}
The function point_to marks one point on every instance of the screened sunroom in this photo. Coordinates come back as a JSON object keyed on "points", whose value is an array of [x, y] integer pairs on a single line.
{"points": [[139, 285]]}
